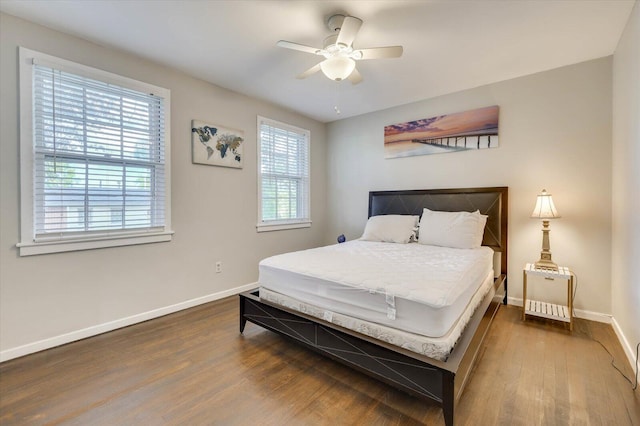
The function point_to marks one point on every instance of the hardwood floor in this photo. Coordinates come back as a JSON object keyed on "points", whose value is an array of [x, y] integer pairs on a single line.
{"points": [[193, 367]]}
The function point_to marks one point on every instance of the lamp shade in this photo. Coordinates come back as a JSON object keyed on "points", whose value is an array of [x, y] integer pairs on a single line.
{"points": [[338, 67], [545, 209]]}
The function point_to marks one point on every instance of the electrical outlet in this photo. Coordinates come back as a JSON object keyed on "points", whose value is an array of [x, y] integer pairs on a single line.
{"points": [[218, 267]]}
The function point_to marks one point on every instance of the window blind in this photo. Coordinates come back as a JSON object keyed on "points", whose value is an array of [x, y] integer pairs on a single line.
{"points": [[284, 173], [99, 160]]}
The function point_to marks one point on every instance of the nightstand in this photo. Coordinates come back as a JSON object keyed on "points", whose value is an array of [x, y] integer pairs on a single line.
{"points": [[544, 309]]}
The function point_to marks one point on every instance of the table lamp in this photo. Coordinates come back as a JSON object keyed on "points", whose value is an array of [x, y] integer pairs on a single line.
{"points": [[545, 210]]}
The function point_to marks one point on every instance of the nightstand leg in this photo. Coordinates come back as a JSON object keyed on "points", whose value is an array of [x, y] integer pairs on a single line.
{"points": [[570, 299], [524, 294]]}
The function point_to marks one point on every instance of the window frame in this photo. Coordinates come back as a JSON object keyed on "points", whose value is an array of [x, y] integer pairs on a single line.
{"points": [[108, 238], [278, 225]]}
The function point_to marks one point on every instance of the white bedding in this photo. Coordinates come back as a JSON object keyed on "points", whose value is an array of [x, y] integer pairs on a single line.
{"points": [[417, 288]]}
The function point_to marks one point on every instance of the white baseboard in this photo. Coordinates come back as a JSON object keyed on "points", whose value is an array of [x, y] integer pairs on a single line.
{"points": [[112, 325], [134, 319], [629, 349], [579, 313]]}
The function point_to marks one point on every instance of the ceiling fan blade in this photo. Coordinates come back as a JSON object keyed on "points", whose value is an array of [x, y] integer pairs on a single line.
{"points": [[378, 53], [314, 69], [355, 77], [300, 47], [348, 31]]}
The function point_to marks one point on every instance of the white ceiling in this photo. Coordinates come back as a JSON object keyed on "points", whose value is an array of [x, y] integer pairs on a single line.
{"points": [[448, 45]]}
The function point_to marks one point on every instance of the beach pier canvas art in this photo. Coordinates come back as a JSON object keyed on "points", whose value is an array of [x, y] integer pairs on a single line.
{"points": [[469, 130], [216, 145]]}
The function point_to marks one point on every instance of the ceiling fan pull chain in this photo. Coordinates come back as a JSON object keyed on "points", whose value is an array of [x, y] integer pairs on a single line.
{"points": [[336, 107]]}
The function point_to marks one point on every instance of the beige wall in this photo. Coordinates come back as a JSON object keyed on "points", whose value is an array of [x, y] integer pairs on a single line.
{"points": [[555, 133], [626, 184], [214, 209]]}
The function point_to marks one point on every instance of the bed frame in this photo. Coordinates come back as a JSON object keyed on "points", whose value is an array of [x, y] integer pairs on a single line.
{"points": [[440, 381]]}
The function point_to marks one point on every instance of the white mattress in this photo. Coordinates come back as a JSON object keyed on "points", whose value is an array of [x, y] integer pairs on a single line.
{"points": [[434, 347], [417, 288]]}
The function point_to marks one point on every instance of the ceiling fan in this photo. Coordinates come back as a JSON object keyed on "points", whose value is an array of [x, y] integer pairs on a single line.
{"points": [[338, 50]]}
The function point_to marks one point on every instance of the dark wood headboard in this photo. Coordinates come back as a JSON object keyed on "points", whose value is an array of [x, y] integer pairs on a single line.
{"points": [[492, 202]]}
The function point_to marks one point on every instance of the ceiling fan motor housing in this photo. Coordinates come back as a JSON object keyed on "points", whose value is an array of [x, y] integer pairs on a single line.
{"points": [[335, 22]]}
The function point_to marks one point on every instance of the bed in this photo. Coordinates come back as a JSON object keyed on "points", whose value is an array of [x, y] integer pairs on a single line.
{"points": [[402, 361]]}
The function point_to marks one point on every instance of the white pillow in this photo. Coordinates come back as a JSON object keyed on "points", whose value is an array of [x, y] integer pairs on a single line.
{"points": [[452, 229], [391, 228]]}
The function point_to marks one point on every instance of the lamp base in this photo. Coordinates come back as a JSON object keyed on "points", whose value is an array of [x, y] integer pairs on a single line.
{"points": [[546, 264], [545, 261]]}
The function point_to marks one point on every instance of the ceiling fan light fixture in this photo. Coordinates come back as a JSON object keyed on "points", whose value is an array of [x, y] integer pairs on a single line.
{"points": [[338, 67]]}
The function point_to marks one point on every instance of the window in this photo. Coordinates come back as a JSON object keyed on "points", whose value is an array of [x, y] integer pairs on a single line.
{"points": [[94, 151], [283, 176]]}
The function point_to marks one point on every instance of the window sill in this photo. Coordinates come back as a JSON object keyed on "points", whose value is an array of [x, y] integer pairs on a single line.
{"points": [[267, 227], [33, 248]]}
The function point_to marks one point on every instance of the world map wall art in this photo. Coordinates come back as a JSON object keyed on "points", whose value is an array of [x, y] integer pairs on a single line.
{"points": [[216, 145], [462, 131]]}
